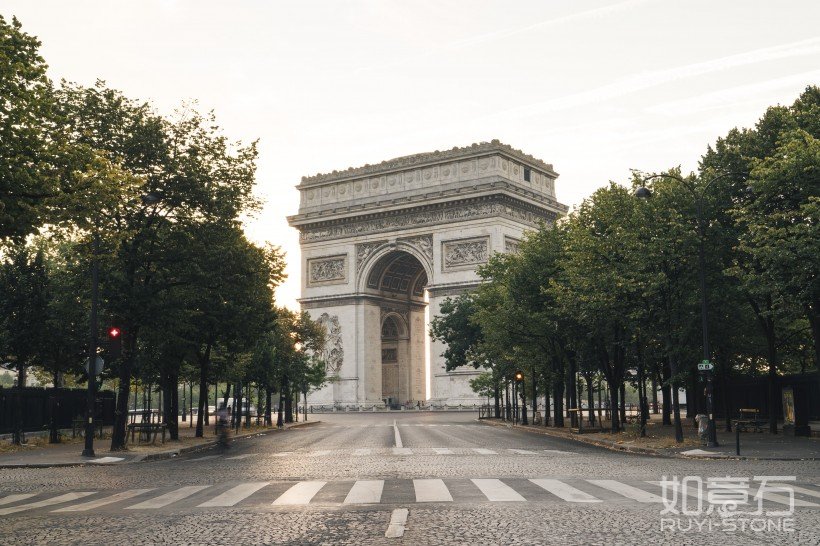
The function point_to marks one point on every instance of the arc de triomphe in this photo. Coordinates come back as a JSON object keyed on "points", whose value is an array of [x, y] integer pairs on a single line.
{"points": [[382, 242]]}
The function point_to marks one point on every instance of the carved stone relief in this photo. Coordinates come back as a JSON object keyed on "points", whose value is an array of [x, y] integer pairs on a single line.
{"points": [[511, 245], [424, 243], [333, 353], [332, 269], [465, 253], [364, 250]]}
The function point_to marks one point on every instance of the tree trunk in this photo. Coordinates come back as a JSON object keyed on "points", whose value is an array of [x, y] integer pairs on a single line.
{"points": [[622, 389], [268, 404], [534, 398], [590, 398], [497, 397], [666, 392], [124, 390], [507, 408], [170, 402], [654, 395], [613, 403], [279, 422], [203, 390], [558, 400], [673, 370], [771, 349], [288, 403]]}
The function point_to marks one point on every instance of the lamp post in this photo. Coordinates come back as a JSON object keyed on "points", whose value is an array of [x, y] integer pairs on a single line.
{"points": [[645, 193], [147, 199], [519, 381]]}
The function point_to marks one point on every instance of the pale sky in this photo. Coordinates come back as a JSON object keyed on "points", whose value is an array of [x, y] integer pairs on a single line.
{"points": [[595, 87]]}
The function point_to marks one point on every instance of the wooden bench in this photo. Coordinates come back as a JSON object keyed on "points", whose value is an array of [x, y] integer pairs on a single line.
{"points": [[748, 417], [147, 429]]}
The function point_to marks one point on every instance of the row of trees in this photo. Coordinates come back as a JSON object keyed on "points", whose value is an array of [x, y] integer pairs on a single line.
{"points": [[612, 290], [87, 174]]}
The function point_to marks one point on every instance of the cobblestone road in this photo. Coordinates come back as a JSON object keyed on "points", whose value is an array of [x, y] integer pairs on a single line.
{"points": [[441, 478]]}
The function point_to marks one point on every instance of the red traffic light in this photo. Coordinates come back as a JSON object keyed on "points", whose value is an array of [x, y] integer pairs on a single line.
{"points": [[114, 332]]}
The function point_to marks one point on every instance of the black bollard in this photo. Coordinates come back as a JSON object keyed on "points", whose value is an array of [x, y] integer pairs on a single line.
{"points": [[737, 440]]}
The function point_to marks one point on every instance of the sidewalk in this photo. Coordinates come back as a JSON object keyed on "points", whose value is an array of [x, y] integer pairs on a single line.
{"points": [[660, 441], [38, 453]]}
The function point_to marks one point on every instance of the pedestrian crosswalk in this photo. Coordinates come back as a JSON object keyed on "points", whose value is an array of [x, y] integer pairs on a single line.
{"points": [[366, 492], [374, 451]]}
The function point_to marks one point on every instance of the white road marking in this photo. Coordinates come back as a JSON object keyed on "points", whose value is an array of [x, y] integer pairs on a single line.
{"points": [[785, 499], [82, 507], [236, 457], [283, 453], [203, 458], [396, 435], [365, 492], [482, 451], [445, 425], [402, 451], [798, 489], [168, 498], [442, 451], [627, 490], [397, 520], [319, 453], [235, 494], [107, 460], [523, 452], [431, 491], [559, 452], [564, 491], [48, 502], [363, 451], [432, 425], [14, 498], [301, 493], [498, 491]]}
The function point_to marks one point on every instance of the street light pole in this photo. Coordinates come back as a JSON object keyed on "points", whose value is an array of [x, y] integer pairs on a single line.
{"points": [[88, 451], [644, 193]]}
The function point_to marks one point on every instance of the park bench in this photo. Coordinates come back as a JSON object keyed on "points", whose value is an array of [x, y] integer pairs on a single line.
{"points": [[78, 427], [146, 430], [748, 417]]}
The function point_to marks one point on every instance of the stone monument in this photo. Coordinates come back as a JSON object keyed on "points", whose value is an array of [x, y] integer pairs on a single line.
{"points": [[383, 245]]}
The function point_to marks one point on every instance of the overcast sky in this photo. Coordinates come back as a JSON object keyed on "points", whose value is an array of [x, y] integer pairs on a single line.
{"points": [[594, 87]]}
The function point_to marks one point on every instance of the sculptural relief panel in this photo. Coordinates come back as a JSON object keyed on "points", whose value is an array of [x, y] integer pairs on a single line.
{"points": [[465, 253], [327, 270]]}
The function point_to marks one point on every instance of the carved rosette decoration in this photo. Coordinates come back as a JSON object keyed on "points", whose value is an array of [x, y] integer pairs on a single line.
{"points": [[465, 253], [364, 250], [329, 270], [423, 243], [333, 353]]}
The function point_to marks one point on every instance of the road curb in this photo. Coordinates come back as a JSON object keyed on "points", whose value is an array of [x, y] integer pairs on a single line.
{"points": [[589, 441], [640, 450], [159, 456]]}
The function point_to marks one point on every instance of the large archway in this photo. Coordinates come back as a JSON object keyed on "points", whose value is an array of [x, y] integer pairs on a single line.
{"points": [[396, 281]]}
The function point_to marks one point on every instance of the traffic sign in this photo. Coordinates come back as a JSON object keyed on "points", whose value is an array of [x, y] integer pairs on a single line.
{"points": [[705, 366], [98, 365]]}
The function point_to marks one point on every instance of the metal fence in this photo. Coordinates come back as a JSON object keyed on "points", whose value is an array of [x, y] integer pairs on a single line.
{"points": [[40, 405]]}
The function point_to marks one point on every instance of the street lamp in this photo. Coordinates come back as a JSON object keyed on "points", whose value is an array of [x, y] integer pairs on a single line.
{"points": [[645, 193]]}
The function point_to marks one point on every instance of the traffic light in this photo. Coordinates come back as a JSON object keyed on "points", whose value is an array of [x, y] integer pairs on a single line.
{"points": [[114, 342]]}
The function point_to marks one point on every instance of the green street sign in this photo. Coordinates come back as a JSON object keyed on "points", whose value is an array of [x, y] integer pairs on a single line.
{"points": [[705, 366]]}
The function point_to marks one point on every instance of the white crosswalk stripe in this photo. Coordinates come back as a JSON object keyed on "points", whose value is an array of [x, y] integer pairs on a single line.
{"points": [[237, 457], [47, 502], [498, 491], [483, 451], [433, 490], [365, 492], [16, 497], [523, 452], [205, 458], [283, 454], [301, 493], [84, 506], [362, 451], [627, 491], [168, 498], [235, 494], [798, 489], [442, 451], [558, 452], [320, 453], [402, 451], [564, 491]]}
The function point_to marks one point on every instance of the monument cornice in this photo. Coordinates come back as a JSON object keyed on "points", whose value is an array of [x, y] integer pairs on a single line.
{"points": [[430, 158], [455, 210]]}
